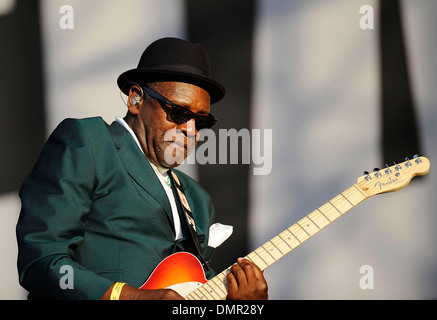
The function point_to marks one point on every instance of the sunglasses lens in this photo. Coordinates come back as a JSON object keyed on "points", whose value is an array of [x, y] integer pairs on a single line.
{"points": [[205, 122], [180, 115]]}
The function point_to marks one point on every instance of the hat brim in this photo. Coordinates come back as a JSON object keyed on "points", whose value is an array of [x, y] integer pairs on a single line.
{"points": [[143, 75]]}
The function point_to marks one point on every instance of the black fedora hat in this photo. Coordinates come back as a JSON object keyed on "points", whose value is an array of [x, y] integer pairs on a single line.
{"points": [[172, 59]]}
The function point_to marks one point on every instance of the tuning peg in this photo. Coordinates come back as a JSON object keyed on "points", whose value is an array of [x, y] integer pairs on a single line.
{"points": [[408, 163], [387, 171], [418, 160], [377, 173], [367, 176], [398, 167]]}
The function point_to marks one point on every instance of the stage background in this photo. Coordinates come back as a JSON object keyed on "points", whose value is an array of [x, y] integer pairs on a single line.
{"points": [[339, 100]]}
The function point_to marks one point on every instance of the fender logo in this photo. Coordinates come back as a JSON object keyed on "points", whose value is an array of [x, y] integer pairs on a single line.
{"points": [[390, 181]]}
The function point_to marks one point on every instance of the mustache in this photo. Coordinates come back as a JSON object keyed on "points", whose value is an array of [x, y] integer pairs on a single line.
{"points": [[180, 138]]}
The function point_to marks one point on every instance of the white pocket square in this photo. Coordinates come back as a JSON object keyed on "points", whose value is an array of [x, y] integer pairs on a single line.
{"points": [[218, 233]]}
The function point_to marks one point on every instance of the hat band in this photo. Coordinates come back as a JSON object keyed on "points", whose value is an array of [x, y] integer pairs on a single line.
{"points": [[181, 68]]}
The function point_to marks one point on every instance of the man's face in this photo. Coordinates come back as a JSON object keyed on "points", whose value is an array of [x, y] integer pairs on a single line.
{"points": [[164, 142]]}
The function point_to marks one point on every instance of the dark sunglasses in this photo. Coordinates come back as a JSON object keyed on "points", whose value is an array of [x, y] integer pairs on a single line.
{"points": [[180, 115]]}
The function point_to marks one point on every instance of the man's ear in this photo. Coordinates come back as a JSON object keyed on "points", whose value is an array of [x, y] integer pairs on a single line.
{"points": [[135, 99]]}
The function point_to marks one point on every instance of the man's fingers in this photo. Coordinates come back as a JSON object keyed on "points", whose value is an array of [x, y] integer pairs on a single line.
{"points": [[244, 272], [246, 281], [251, 269], [248, 268], [239, 274]]}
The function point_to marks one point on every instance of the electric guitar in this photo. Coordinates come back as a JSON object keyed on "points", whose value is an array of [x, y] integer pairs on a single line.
{"points": [[183, 272]]}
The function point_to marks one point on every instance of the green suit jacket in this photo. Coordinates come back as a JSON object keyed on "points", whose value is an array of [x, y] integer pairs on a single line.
{"points": [[94, 213]]}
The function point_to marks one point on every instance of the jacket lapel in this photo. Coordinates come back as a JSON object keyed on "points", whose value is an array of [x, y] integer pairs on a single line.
{"points": [[138, 167]]}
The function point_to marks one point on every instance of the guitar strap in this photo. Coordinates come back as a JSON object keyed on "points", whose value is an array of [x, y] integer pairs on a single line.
{"points": [[187, 214]]}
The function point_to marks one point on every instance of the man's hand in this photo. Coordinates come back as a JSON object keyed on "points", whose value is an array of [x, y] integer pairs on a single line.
{"points": [[131, 293], [246, 282]]}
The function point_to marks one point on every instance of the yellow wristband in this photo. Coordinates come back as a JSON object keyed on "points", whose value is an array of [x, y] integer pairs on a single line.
{"points": [[116, 290]]}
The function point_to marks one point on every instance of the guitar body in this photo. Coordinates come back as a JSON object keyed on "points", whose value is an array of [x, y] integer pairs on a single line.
{"points": [[180, 271]]}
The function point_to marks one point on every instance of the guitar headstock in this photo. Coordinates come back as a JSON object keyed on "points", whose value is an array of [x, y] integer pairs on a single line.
{"points": [[393, 178]]}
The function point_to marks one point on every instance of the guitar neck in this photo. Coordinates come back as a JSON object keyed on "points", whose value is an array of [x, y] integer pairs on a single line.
{"points": [[286, 241]]}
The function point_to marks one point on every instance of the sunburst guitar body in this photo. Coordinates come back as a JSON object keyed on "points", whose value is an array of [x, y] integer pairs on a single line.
{"points": [[180, 271]]}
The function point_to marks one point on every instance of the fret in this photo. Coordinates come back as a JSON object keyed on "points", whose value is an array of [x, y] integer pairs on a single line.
{"points": [[211, 291], [268, 251], [223, 275], [205, 295], [264, 255], [298, 232], [347, 199], [355, 195], [308, 226], [200, 293], [287, 239], [341, 204], [360, 191], [281, 245], [220, 285], [335, 207], [258, 260], [313, 221], [253, 257], [272, 250], [319, 219], [196, 295], [309, 235], [292, 238], [327, 218], [192, 296], [329, 211], [249, 258]]}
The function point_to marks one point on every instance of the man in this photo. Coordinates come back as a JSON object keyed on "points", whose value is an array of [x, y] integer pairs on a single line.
{"points": [[102, 204]]}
